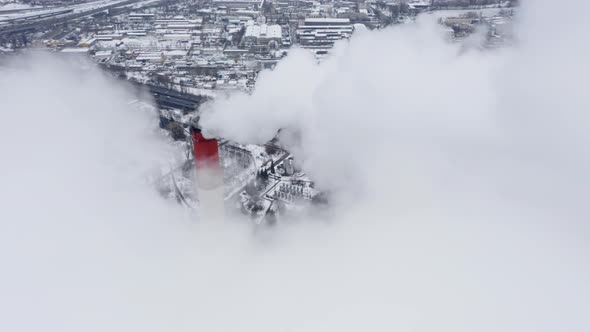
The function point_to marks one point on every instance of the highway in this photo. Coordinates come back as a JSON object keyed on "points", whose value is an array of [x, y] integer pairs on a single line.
{"points": [[59, 17]]}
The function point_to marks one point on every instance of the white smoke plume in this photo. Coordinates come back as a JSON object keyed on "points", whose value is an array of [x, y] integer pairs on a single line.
{"points": [[468, 173]]}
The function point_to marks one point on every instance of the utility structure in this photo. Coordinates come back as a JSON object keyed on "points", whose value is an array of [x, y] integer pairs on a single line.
{"points": [[209, 185]]}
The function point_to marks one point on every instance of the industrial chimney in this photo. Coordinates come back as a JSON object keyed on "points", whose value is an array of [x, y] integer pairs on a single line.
{"points": [[209, 184]]}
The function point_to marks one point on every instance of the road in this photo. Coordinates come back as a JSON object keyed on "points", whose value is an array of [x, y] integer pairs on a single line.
{"points": [[45, 22]]}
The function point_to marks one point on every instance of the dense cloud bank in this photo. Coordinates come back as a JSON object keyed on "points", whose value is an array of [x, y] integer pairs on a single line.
{"points": [[459, 180]]}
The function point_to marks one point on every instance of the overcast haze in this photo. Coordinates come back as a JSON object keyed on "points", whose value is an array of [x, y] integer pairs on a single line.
{"points": [[459, 184]]}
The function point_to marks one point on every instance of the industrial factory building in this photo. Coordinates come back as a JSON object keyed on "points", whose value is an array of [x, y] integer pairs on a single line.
{"points": [[263, 34], [322, 33], [239, 4]]}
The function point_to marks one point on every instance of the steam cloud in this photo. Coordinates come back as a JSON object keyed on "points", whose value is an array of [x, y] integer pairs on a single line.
{"points": [[463, 182]]}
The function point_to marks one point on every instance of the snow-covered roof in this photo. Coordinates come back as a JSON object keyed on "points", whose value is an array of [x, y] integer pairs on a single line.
{"points": [[176, 53], [264, 31], [75, 50], [328, 20]]}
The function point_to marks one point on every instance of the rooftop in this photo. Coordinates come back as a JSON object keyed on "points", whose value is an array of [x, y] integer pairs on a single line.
{"points": [[264, 31]]}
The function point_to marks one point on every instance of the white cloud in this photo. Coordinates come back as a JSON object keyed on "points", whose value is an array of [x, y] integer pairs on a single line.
{"points": [[469, 215]]}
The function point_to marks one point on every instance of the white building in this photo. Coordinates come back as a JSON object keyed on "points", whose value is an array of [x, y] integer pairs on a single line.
{"points": [[245, 4], [322, 33], [263, 34]]}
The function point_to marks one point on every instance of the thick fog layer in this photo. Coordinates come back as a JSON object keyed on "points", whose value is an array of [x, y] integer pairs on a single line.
{"points": [[459, 182]]}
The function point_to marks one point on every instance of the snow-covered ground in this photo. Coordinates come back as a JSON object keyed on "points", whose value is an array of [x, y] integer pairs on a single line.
{"points": [[7, 5], [487, 12], [77, 8]]}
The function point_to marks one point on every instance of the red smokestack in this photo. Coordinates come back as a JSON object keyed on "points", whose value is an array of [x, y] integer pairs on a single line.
{"points": [[209, 182], [205, 150]]}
